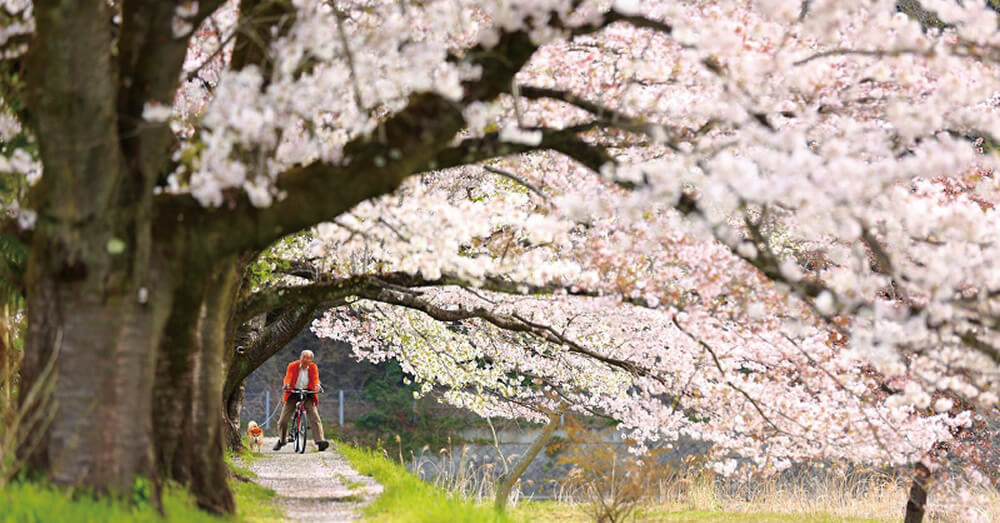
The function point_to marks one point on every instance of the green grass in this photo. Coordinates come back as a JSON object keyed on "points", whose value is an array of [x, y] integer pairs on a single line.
{"points": [[246, 458], [351, 485], [28, 502], [254, 503], [408, 499]]}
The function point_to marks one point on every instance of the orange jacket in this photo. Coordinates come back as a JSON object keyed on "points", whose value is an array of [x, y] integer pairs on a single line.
{"points": [[292, 375]]}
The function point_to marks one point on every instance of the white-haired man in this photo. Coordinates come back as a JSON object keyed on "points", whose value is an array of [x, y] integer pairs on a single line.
{"points": [[301, 374]]}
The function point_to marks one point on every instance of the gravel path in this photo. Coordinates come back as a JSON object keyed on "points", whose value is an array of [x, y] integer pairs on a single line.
{"points": [[315, 486]]}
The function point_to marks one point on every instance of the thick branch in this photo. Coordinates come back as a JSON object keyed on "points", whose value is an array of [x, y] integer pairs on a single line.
{"points": [[413, 139], [336, 290], [611, 118], [274, 337], [150, 59], [489, 146], [321, 192], [424, 302], [613, 16], [565, 141]]}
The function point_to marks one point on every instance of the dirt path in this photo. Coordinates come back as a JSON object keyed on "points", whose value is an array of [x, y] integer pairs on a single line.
{"points": [[315, 486]]}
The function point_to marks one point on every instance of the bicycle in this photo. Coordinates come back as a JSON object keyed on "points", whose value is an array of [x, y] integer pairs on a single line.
{"points": [[300, 422]]}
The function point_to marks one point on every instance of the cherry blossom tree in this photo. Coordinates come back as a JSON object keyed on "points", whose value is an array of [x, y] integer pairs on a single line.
{"points": [[799, 195]]}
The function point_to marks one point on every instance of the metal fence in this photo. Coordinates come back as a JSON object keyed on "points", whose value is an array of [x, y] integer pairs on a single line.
{"points": [[335, 406]]}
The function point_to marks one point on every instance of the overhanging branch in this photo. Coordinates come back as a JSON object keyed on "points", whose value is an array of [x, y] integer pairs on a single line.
{"points": [[509, 322], [333, 290]]}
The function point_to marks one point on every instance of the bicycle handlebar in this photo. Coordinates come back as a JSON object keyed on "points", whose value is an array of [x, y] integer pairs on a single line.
{"points": [[304, 391]]}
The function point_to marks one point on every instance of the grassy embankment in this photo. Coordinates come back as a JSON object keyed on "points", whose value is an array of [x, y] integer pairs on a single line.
{"points": [[408, 499], [25, 502]]}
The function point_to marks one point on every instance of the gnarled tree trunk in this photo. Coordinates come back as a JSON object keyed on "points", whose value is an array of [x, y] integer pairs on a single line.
{"points": [[232, 398], [104, 346], [95, 302], [190, 373]]}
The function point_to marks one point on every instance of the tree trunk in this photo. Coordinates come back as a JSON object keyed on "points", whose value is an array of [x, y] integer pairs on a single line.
{"points": [[190, 373], [231, 419], [232, 390], [509, 480], [104, 347], [6, 356], [917, 501], [97, 303]]}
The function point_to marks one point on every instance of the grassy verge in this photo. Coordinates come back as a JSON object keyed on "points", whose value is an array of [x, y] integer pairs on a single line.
{"points": [[564, 512], [408, 499], [38, 502], [31, 502], [254, 503]]}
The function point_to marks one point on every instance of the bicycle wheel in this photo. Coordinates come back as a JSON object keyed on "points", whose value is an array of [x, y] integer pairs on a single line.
{"points": [[300, 432]]}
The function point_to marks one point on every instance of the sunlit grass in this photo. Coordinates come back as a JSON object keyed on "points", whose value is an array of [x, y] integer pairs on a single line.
{"points": [[25, 502], [408, 499], [30, 502], [254, 503]]}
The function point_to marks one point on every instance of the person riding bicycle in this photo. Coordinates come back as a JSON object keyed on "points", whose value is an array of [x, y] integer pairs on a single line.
{"points": [[301, 374]]}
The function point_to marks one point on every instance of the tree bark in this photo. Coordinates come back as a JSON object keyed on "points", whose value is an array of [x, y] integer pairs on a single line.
{"points": [[232, 398], [231, 419], [190, 372], [6, 355], [509, 480], [97, 299], [88, 261], [917, 500], [103, 345]]}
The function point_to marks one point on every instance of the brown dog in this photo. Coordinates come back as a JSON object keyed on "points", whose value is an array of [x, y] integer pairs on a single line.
{"points": [[255, 435]]}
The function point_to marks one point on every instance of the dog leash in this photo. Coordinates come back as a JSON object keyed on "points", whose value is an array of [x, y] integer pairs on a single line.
{"points": [[273, 411]]}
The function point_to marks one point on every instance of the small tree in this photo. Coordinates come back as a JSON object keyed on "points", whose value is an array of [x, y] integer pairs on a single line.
{"points": [[612, 481]]}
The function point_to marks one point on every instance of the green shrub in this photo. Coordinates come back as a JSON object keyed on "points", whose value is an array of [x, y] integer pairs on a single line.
{"points": [[393, 400]]}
